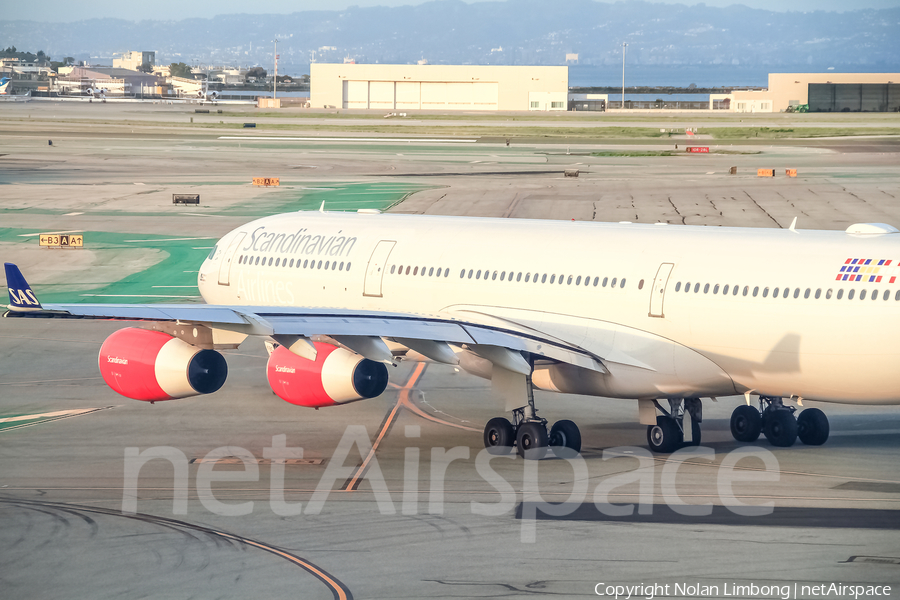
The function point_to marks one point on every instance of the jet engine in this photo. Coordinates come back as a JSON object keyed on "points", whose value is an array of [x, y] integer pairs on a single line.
{"points": [[337, 376], [151, 365]]}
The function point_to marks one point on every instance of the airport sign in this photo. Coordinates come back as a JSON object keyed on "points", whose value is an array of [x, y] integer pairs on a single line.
{"points": [[266, 181], [62, 240]]}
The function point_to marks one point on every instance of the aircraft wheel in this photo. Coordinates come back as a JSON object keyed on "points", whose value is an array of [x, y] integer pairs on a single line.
{"points": [[565, 434], [531, 440], [781, 428], [746, 423], [664, 437], [812, 427], [499, 436]]}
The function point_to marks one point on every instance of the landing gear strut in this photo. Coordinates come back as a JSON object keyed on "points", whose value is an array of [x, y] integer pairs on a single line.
{"points": [[668, 433], [529, 433], [777, 422]]}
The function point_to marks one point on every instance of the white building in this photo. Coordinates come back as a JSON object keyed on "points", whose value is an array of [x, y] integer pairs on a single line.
{"points": [[438, 87]]}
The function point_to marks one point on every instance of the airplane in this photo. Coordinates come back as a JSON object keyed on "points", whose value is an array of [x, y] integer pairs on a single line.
{"points": [[662, 314], [4, 85]]}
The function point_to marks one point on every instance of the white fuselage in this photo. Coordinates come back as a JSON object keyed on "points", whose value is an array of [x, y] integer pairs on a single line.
{"points": [[619, 291]]}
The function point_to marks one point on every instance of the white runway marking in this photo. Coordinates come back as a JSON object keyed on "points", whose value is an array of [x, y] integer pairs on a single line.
{"points": [[347, 139]]}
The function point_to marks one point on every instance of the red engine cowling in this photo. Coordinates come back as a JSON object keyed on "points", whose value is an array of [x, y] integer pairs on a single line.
{"points": [[337, 376], [151, 365]]}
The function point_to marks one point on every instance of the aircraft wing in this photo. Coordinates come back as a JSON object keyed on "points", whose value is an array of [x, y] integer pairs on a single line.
{"points": [[353, 328]]}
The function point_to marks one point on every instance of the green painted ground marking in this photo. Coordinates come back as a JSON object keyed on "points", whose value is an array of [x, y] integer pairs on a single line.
{"points": [[174, 278], [8, 422]]}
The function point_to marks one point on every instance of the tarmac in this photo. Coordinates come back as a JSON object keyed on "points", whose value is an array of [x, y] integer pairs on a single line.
{"points": [[407, 504]]}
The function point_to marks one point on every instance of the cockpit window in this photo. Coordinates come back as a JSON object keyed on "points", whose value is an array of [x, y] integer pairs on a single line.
{"points": [[212, 252]]}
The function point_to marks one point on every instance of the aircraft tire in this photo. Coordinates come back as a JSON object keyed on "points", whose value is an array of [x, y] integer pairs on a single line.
{"points": [[664, 437], [812, 427], [781, 428], [746, 423], [565, 434], [531, 441], [499, 436]]}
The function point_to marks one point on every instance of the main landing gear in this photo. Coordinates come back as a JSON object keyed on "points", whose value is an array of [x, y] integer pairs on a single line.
{"points": [[777, 422], [668, 434], [529, 434]]}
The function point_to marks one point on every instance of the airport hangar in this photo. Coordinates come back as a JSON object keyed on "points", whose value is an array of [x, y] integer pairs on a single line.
{"points": [[439, 87], [821, 92]]}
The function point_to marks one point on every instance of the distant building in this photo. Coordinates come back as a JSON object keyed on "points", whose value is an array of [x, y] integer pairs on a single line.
{"points": [[134, 59], [438, 87], [819, 92], [571, 57], [116, 81]]}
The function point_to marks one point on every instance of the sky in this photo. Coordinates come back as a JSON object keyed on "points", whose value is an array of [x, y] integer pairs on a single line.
{"points": [[77, 10]]}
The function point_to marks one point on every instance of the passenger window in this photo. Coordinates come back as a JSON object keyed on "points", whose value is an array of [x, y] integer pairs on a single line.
{"points": [[503, 275], [622, 283], [270, 261], [292, 263], [407, 269], [519, 277], [528, 277], [319, 266], [765, 292], [431, 271], [462, 273], [874, 294], [862, 295], [841, 294], [493, 277], [850, 294], [775, 293], [806, 293], [478, 274], [348, 266], [561, 278], [470, 273], [678, 287], [796, 292], [543, 278], [613, 283], [578, 281], [277, 261], [341, 268], [596, 280], [587, 280], [725, 290], [746, 289], [887, 294], [706, 288], [828, 295], [818, 293], [605, 281], [755, 291], [568, 281], [696, 287], [326, 265], [416, 271], [333, 265], [552, 278], [641, 284], [786, 292], [716, 289], [423, 271], [897, 296]]}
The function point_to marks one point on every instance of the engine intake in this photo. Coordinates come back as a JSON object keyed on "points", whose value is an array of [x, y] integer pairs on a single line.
{"points": [[152, 366], [337, 376]]}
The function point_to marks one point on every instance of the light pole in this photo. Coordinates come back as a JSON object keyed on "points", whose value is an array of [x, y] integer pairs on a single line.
{"points": [[624, 46], [275, 81]]}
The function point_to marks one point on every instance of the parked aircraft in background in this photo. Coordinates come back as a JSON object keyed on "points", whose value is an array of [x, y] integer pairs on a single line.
{"points": [[661, 315]]}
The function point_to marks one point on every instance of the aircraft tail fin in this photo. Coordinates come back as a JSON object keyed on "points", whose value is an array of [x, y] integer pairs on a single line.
{"points": [[21, 297]]}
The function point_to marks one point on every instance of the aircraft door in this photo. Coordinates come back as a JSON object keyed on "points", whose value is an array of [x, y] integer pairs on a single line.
{"points": [[228, 257], [375, 270], [658, 290]]}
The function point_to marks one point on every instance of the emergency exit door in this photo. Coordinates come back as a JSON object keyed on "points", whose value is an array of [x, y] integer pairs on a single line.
{"points": [[658, 290], [375, 270]]}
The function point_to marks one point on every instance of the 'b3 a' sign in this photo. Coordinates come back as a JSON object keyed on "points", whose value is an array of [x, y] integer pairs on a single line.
{"points": [[62, 240]]}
